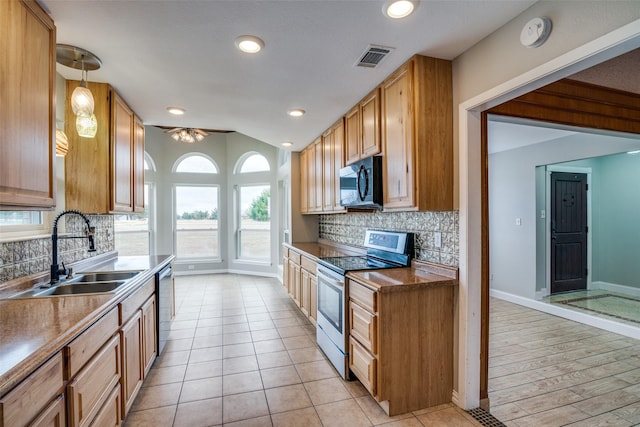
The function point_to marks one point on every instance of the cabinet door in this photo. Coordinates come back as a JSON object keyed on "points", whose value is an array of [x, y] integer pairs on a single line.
{"points": [[397, 138], [364, 365], [149, 338], [352, 135], [305, 288], [338, 163], [122, 155], [138, 166], [328, 175], [313, 297], [370, 125], [132, 365], [304, 181], [53, 415], [296, 284], [311, 178], [27, 122], [109, 415], [317, 185], [285, 271]]}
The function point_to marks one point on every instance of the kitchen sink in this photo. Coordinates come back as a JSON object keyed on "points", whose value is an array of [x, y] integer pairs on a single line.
{"points": [[81, 288], [106, 276]]}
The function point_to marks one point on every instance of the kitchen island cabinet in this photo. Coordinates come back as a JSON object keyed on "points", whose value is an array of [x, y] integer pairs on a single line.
{"points": [[417, 136], [401, 336], [105, 174], [27, 97]]}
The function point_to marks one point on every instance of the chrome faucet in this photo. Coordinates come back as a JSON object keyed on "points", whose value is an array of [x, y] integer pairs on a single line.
{"points": [[56, 271]]}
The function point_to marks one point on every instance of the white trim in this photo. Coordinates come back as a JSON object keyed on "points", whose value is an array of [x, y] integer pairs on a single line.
{"points": [[226, 271], [614, 287], [601, 49], [576, 316], [547, 208]]}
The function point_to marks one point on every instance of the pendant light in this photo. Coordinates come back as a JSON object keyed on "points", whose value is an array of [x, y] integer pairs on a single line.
{"points": [[82, 102]]}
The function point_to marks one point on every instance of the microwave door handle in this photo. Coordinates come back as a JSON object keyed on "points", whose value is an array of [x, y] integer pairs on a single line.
{"points": [[366, 182]]}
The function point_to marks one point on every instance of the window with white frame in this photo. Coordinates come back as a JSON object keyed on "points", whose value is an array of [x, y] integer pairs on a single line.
{"points": [[197, 235]]}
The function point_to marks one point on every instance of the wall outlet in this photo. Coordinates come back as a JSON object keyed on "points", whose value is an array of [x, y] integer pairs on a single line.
{"points": [[543, 214], [437, 239], [518, 221]]}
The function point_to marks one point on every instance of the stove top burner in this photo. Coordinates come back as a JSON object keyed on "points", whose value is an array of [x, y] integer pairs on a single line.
{"points": [[352, 263]]}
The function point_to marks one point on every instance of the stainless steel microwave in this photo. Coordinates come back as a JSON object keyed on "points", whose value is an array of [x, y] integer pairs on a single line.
{"points": [[361, 184]]}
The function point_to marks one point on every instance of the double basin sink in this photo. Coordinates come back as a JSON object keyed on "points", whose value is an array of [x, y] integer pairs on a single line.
{"points": [[84, 283]]}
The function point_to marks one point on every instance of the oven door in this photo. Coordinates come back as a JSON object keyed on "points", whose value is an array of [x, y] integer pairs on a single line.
{"points": [[331, 306]]}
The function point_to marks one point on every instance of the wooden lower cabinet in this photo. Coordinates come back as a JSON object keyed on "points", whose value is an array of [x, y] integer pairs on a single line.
{"points": [[110, 415], [301, 282], [133, 369], [149, 334], [89, 390], [401, 344], [54, 415], [36, 398]]}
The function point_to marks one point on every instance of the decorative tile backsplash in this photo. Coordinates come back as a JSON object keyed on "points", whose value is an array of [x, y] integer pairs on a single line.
{"points": [[24, 257], [350, 229]]}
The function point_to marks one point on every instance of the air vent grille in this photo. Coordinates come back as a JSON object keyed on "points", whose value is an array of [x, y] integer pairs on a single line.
{"points": [[373, 55]]}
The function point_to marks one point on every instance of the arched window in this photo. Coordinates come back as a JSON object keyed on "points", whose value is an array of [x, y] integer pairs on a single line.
{"points": [[149, 165], [195, 163], [252, 162]]}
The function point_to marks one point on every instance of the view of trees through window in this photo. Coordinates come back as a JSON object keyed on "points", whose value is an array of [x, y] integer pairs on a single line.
{"points": [[254, 232], [196, 222]]}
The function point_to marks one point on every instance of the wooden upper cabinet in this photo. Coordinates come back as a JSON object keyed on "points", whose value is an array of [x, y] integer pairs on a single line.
{"points": [[338, 162], [105, 174], [332, 141], [319, 173], [362, 129], [417, 136], [27, 101], [304, 179]]}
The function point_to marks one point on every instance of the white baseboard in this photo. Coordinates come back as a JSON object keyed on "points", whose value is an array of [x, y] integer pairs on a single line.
{"points": [[556, 310], [226, 271], [614, 287]]}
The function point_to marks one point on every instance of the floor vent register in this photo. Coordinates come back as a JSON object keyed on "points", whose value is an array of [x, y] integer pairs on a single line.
{"points": [[485, 418]]}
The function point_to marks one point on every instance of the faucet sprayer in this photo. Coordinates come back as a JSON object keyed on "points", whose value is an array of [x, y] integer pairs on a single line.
{"points": [[56, 271]]}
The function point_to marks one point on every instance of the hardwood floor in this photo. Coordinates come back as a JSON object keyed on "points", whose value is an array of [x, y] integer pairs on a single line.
{"points": [[548, 371]]}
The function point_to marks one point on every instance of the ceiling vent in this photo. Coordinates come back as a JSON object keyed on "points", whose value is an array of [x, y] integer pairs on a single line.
{"points": [[373, 56]]}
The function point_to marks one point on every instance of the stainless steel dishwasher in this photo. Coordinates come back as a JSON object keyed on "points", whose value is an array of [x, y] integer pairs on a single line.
{"points": [[164, 306]]}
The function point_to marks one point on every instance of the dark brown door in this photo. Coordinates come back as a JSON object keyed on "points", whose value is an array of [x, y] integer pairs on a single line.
{"points": [[568, 232]]}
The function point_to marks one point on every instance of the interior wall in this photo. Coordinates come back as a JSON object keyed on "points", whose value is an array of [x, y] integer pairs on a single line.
{"points": [[616, 227], [513, 178]]}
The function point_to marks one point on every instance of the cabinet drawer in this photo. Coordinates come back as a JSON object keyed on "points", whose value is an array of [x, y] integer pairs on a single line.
{"points": [[309, 265], [31, 396], [364, 327], [294, 256], [364, 365], [109, 415], [93, 385], [364, 296], [134, 301], [80, 350]]}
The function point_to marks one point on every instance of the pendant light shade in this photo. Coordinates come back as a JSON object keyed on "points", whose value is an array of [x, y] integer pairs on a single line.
{"points": [[87, 126], [82, 100], [62, 143]]}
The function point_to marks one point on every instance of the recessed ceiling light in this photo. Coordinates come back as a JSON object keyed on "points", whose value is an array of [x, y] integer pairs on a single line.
{"points": [[287, 144], [296, 112], [176, 110], [633, 152], [249, 44], [397, 9]]}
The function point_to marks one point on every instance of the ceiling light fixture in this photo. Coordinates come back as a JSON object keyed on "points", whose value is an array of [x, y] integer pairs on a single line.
{"points": [[287, 144], [249, 44], [633, 152], [188, 135], [397, 9], [82, 102], [296, 112], [176, 111]]}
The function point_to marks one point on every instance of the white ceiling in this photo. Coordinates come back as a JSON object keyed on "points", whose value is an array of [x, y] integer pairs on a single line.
{"points": [[160, 53]]}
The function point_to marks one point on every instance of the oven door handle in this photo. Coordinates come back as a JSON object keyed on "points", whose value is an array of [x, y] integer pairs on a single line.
{"points": [[330, 280]]}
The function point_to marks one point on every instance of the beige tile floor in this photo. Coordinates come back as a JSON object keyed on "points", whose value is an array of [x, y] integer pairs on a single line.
{"points": [[548, 371], [241, 354]]}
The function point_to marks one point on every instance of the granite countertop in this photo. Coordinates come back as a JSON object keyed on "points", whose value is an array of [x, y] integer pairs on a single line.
{"points": [[34, 329], [400, 279], [322, 250]]}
